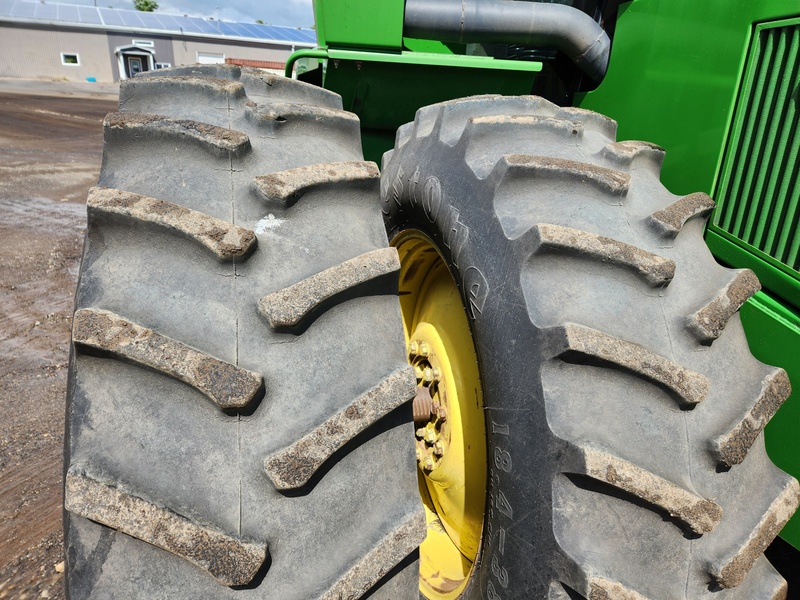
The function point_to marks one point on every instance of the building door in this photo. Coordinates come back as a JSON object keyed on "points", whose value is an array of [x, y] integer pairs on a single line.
{"points": [[134, 65], [134, 59]]}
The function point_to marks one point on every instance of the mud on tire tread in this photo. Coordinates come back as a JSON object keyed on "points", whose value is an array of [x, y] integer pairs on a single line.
{"points": [[181, 246], [625, 451]]}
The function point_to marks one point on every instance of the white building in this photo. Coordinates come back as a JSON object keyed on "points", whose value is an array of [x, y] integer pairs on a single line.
{"points": [[80, 43]]}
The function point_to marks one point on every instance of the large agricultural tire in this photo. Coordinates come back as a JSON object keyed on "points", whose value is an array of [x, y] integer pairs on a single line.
{"points": [[238, 422], [623, 410]]}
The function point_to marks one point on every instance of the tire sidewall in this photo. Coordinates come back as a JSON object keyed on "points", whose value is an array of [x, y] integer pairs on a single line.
{"points": [[434, 192]]}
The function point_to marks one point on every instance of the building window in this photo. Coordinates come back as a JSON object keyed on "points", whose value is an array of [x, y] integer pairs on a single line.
{"points": [[70, 59], [144, 43], [210, 58], [163, 65]]}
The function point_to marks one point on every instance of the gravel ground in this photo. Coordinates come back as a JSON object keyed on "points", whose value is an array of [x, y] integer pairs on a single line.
{"points": [[50, 152]]}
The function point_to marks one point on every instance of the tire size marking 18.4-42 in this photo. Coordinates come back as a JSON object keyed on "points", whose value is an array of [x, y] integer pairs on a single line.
{"points": [[502, 462]]}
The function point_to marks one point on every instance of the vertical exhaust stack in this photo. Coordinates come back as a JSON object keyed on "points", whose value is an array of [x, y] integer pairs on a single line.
{"points": [[557, 26]]}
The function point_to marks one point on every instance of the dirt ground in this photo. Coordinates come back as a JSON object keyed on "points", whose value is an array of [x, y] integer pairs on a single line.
{"points": [[50, 152]]}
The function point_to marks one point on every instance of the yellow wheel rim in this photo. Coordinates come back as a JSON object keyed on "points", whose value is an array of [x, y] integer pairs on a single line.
{"points": [[450, 430]]}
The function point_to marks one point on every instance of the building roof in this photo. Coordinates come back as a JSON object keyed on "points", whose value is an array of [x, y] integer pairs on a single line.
{"points": [[115, 19]]}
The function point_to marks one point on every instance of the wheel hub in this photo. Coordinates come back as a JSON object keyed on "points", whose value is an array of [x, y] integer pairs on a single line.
{"points": [[450, 435], [430, 411]]}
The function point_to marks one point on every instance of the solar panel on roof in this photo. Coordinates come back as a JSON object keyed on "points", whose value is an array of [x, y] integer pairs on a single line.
{"points": [[274, 33], [265, 31], [23, 9], [89, 14], [187, 24], [245, 30], [110, 16], [167, 22], [288, 33], [300, 36], [205, 26], [251, 31], [227, 29], [150, 20], [69, 13], [130, 18], [306, 37], [48, 12]]}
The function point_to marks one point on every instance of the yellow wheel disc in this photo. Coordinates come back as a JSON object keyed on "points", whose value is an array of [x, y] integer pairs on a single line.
{"points": [[450, 430]]}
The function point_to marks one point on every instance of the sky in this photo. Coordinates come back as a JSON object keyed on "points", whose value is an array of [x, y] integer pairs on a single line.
{"points": [[292, 13]]}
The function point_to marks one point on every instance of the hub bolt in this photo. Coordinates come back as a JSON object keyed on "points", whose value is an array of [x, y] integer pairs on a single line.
{"points": [[417, 349], [430, 436], [426, 375]]}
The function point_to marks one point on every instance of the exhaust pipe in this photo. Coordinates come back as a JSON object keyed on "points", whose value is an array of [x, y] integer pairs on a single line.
{"points": [[557, 26]]}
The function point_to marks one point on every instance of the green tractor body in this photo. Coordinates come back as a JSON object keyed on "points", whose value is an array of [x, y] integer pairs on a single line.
{"points": [[723, 81]]}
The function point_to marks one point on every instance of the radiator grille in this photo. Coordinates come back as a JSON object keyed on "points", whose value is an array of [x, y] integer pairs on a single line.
{"points": [[758, 199]]}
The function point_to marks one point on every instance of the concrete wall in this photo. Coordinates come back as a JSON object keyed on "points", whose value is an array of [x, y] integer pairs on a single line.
{"points": [[185, 51], [36, 53]]}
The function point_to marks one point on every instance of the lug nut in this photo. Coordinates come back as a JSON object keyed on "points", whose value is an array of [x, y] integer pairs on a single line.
{"points": [[428, 375], [441, 412], [419, 454], [428, 464], [438, 449], [430, 436], [420, 433], [417, 349]]}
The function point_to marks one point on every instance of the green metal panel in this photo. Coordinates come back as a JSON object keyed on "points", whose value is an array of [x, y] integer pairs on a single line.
{"points": [[361, 79], [416, 45], [772, 274], [776, 343], [673, 79], [429, 59], [758, 196], [359, 23]]}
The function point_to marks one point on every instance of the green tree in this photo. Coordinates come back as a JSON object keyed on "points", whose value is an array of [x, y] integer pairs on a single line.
{"points": [[145, 5]]}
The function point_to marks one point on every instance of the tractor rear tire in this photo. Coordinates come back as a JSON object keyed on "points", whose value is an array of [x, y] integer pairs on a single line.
{"points": [[624, 412], [238, 422]]}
